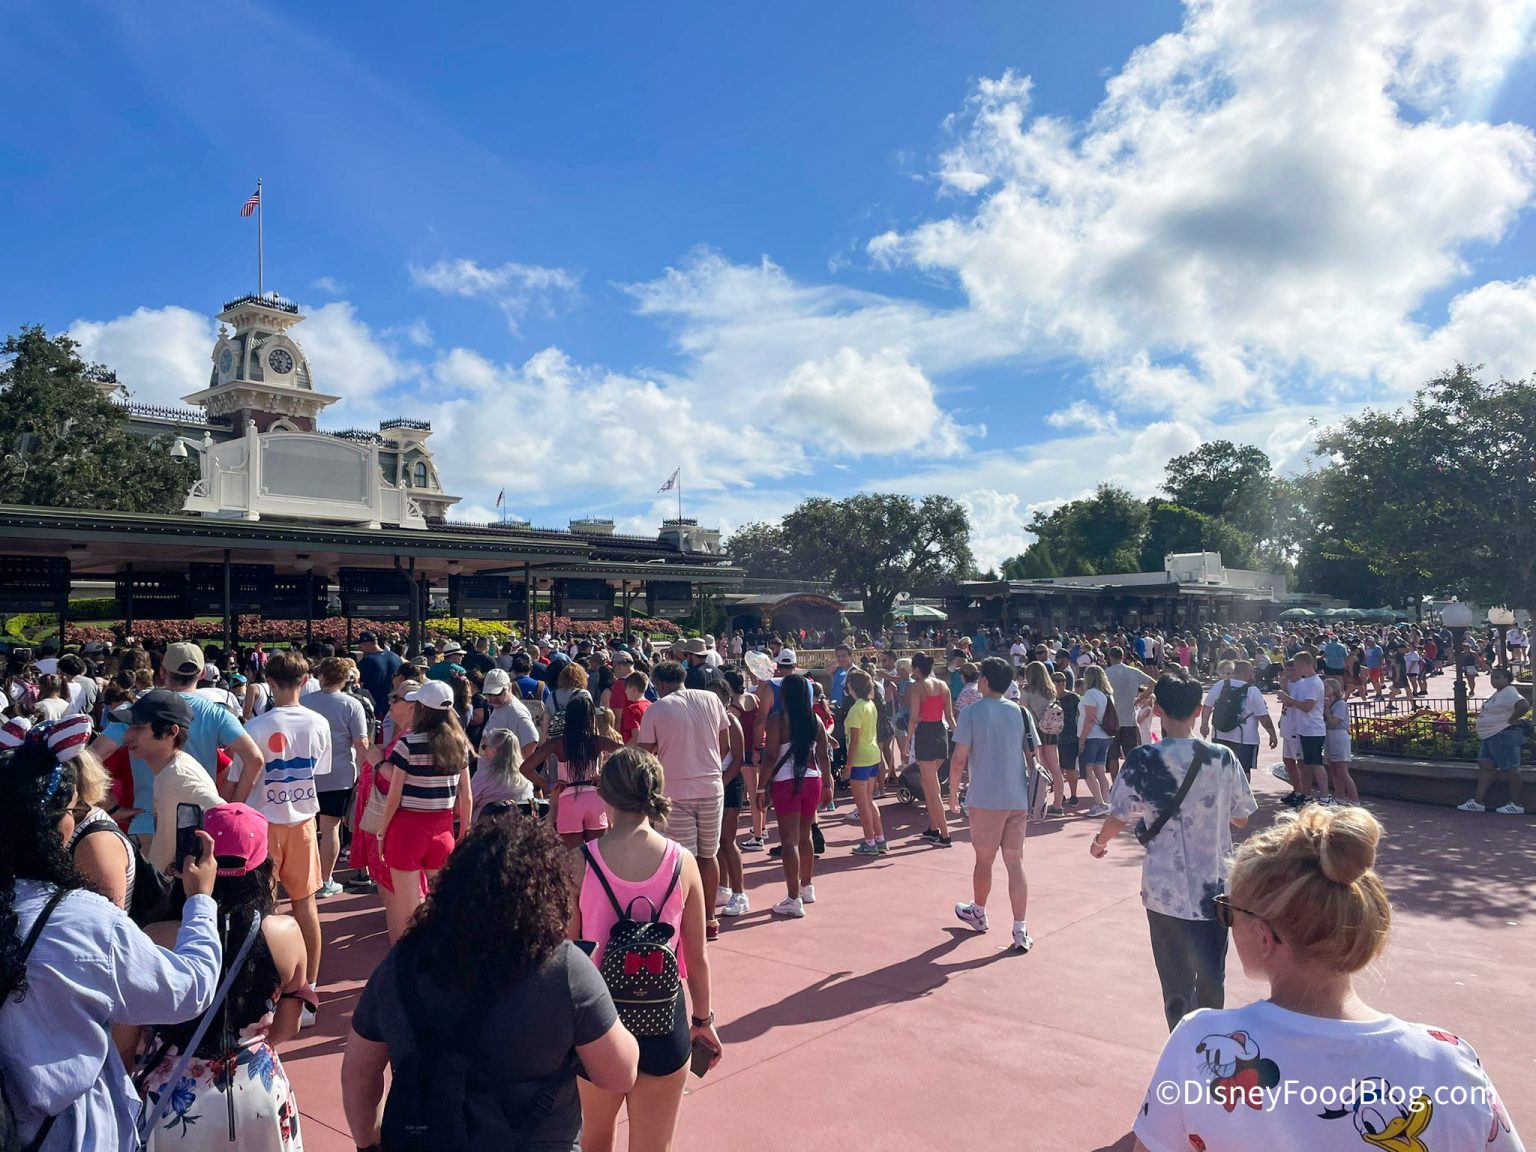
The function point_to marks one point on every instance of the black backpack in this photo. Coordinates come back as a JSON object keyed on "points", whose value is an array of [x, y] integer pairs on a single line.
{"points": [[442, 1098], [1228, 714], [154, 895], [10, 1138], [638, 966]]}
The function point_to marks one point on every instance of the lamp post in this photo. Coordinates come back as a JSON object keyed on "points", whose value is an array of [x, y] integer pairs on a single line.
{"points": [[1458, 618], [1501, 619]]}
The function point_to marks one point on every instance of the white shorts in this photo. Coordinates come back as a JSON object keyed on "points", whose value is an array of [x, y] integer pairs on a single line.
{"points": [[1336, 746], [1290, 747]]}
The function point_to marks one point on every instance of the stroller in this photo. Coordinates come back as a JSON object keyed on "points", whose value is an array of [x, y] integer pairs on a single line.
{"points": [[909, 789]]}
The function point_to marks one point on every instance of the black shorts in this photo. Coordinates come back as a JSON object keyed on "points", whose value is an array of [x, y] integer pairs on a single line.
{"points": [[335, 804], [664, 1055], [1066, 754], [1247, 755], [1312, 750], [736, 792], [931, 741]]}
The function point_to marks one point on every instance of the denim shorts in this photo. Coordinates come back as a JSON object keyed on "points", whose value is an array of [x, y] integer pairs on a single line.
{"points": [[1502, 749], [1094, 752]]}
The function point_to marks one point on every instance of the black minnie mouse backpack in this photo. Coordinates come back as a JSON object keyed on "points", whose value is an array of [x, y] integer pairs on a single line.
{"points": [[639, 966]]}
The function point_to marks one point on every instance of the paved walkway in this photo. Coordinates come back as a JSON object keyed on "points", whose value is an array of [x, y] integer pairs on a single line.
{"points": [[878, 1022]]}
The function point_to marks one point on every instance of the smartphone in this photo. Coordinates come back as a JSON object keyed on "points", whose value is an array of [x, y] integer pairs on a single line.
{"points": [[189, 822], [703, 1053]]}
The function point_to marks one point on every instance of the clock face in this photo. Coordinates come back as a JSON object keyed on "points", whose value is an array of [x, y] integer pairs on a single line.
{"points": [[226, 362], [280, 361]]}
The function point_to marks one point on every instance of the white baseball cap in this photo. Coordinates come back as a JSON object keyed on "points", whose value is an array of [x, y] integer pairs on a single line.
{"points": [[496, 682], [787, 658], [432, 694]]}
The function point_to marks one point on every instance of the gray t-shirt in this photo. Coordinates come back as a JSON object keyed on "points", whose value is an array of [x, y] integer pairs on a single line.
{"points": [[996, 732], [348, 722], [1126, 682], [1186, 865], [513, 715], [521, 1036]]}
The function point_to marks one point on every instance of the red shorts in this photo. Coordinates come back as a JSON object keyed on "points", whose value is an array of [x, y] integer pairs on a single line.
{"points": [[418, 841], [786, 799]]}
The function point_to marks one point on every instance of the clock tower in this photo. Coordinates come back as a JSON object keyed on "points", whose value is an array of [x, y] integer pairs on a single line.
{"points": [[260, 374]]}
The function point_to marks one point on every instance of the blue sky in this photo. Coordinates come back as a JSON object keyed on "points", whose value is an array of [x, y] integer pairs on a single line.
{"points": [[1001, 251]]}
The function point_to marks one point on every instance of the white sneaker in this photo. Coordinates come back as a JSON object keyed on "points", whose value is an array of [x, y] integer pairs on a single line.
{"points": [[972, 916], [722, 897], [736, 905], [1511, 809], [789, 907], [1022, 940], [808, 893], [1099, 810], [1470, 806]]}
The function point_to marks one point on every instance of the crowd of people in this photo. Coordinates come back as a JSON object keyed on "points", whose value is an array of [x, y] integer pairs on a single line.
{"points": [[555, 830]]}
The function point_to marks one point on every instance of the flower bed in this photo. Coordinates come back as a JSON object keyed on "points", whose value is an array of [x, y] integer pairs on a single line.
{"points": [[1424, 734], [334, 629]]}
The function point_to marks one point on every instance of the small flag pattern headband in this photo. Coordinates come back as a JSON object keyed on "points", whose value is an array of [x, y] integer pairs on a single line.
{"points": [[65, 738]]}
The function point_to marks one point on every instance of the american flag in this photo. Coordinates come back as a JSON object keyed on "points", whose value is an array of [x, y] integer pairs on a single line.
{"points": [[250, 205], [671, 482], [500, 496]]}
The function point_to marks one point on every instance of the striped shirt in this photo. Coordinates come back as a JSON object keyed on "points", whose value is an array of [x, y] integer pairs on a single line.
{"points": [[425, 785]]}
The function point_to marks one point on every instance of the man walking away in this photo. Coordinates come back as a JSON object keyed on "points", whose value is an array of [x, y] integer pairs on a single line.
{"points": [[997, 741], [686, 729], [1127, 685], [1186, 864], [1238, 711]]}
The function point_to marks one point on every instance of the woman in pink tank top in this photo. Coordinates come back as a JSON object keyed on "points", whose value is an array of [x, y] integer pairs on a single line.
{"points": [[642, 865]]}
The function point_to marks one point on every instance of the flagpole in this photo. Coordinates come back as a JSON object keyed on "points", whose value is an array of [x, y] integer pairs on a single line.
{"points": [[260, 254], [679, 497]]}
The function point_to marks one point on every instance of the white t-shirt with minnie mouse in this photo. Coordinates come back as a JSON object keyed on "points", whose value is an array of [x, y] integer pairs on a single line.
{"points": [[1264, 1077]]}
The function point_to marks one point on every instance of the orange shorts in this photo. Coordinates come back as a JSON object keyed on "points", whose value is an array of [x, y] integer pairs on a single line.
{"points": [[295, 857]]}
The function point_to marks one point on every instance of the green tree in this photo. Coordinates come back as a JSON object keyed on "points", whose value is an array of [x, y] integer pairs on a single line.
{"points": [[760, 548], [1034, 563], [1099, 534], [66, 444], [877, 545], [1225, 481], [1175, 528], [1439, 496]]}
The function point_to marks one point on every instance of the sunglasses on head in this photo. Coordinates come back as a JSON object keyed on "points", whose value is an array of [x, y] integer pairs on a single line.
{"points": [[1224, 914]]}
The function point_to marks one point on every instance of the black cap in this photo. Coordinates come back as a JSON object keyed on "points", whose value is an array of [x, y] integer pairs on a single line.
{"points": [[160, 704], [367, 636]]}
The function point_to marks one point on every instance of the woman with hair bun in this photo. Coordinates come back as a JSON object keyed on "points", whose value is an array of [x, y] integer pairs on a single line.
{"points": [[640, 864], [1314, 1066]]}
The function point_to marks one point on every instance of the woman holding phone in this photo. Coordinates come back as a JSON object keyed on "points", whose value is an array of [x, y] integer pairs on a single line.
{"points": [[71, 962]]}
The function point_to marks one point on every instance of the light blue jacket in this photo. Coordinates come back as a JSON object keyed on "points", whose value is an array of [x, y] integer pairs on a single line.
{"points": [[94, 967]]}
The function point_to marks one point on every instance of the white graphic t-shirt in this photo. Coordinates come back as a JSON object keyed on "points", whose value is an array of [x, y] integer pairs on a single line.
{"points": [[295, 747], [1264, 1077], [1186, 864]]}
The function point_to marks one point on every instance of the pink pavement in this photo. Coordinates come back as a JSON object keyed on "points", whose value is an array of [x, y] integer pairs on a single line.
{"points": [[879, 1021]]}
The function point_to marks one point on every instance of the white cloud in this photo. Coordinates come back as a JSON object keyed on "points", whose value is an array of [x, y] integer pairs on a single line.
{"points": [[1251, 203], [1082, 413], [997, 525], [348, 359], [159, 354], [516, 288], [329, 285], [862, 405]]}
